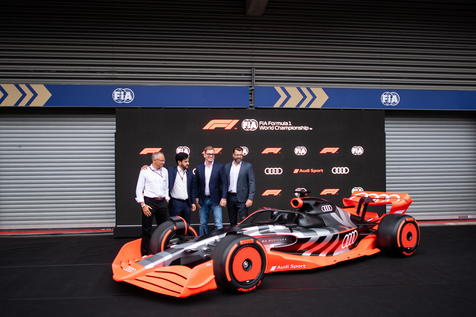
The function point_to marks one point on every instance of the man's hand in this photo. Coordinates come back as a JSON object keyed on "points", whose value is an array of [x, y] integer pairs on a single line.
{"points": [[197, 203], [144, 167], [248, 203], [223, 202], [194, 207], [147, 210]]}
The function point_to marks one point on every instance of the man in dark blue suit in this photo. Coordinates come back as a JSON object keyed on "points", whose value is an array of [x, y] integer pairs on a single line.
{"points": [[209, 183], [180, 188], [241, 187]]}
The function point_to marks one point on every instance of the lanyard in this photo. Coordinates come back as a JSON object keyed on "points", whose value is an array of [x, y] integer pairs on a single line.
{"points": [[156, 172]]}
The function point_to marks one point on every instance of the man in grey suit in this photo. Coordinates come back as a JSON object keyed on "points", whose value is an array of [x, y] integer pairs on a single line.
{"points": [[241, 187]]}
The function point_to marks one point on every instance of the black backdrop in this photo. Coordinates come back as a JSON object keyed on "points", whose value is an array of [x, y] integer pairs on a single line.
{"points": [[329, 152]]}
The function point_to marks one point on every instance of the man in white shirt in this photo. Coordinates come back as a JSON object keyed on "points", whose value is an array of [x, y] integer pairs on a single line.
{"points": [[152, 193], [241, 187], [180, 186]]}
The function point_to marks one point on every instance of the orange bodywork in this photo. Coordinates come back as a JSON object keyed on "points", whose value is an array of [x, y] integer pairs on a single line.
{"points": [[182, 281], [174, 280]]}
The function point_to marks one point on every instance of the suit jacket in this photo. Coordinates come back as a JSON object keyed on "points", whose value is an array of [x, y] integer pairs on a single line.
{"points": [[246, 185], [173, 174], [217, 184]]}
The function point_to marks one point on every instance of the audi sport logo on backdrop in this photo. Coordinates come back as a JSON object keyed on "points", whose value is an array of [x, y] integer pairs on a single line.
{"points": [[249, 125], [182, 149], [273, 171], [300, 150], [357, 150], [329, 150], [245, 150], [340, 170], [150, 150], [330, 191], [272, 192], [226, 124], [308, 171], [272, 150]]}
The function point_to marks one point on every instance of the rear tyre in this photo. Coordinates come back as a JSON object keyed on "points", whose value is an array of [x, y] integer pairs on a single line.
{"points": [[398, 235], [239, 263], [171, 232]]}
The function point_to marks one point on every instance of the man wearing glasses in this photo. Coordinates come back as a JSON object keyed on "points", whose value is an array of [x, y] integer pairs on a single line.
{"points": [[152, 193], [210, 185]]}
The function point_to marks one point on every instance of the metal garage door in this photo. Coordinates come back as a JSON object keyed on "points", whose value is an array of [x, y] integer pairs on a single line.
{"points": [[57, 171], [433, 157]]}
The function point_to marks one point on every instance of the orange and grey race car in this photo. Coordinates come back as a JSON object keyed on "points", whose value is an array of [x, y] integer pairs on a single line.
{"points": [[316, 233]]}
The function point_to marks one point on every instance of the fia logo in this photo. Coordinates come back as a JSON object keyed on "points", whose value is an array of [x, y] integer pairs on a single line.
{"points": [[182, 149], [249, 125], [123, 95], [245, 150], [300, 150], [390, 98]]}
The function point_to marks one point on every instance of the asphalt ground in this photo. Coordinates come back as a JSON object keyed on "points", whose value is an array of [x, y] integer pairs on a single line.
{"points": [[71, 276]]}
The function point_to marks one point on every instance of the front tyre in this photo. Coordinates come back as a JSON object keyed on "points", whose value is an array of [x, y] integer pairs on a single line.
{"points": [[398, 235], [169, 233], [239, 263]]}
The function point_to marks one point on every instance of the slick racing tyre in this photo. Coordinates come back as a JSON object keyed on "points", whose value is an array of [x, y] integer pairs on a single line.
{"points": [[239, 263], [398, 235], [171, 232]]}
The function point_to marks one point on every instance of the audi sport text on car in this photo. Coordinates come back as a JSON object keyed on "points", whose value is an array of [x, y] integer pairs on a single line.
{"points": [[314, 234]]}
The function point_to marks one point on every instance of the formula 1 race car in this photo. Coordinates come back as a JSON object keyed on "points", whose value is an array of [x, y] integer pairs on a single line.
{"points": [[316, 233]]}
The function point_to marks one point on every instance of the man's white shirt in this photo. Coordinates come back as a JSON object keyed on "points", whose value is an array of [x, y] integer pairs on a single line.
{"points": [[208, 173], [234, 172], [152, 183], [179, 190]]}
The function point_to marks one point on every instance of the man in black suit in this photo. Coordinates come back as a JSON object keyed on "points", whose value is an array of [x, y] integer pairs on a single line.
{"points": [[209, 183], [180, 188], [241, 187]]}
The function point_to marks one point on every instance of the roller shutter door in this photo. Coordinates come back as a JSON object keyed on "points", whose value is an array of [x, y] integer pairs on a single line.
{"points": [[57, 171], [433, 157]]}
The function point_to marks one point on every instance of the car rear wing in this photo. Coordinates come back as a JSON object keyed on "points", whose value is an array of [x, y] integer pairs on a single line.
{"points": [[362, 199]]}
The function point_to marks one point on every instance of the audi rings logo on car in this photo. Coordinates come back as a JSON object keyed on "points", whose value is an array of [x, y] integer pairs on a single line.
{"points": [[349, 239], [357, 150], [273, 171], [300, 150], [249, 125], [340, 170], [182, 149], [325, 208]]}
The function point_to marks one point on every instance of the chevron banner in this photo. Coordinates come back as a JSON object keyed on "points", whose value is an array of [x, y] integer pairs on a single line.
{"points": [[31, 95], [23, 95], [300, 97], [352, 98]]}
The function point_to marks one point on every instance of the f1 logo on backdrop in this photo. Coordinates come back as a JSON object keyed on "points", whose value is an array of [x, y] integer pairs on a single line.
{"points": [[272, 192], [150, 150], [273, 171], [272, 150], [340, 170], [329, 150], [330, 191], [226, 124]]}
